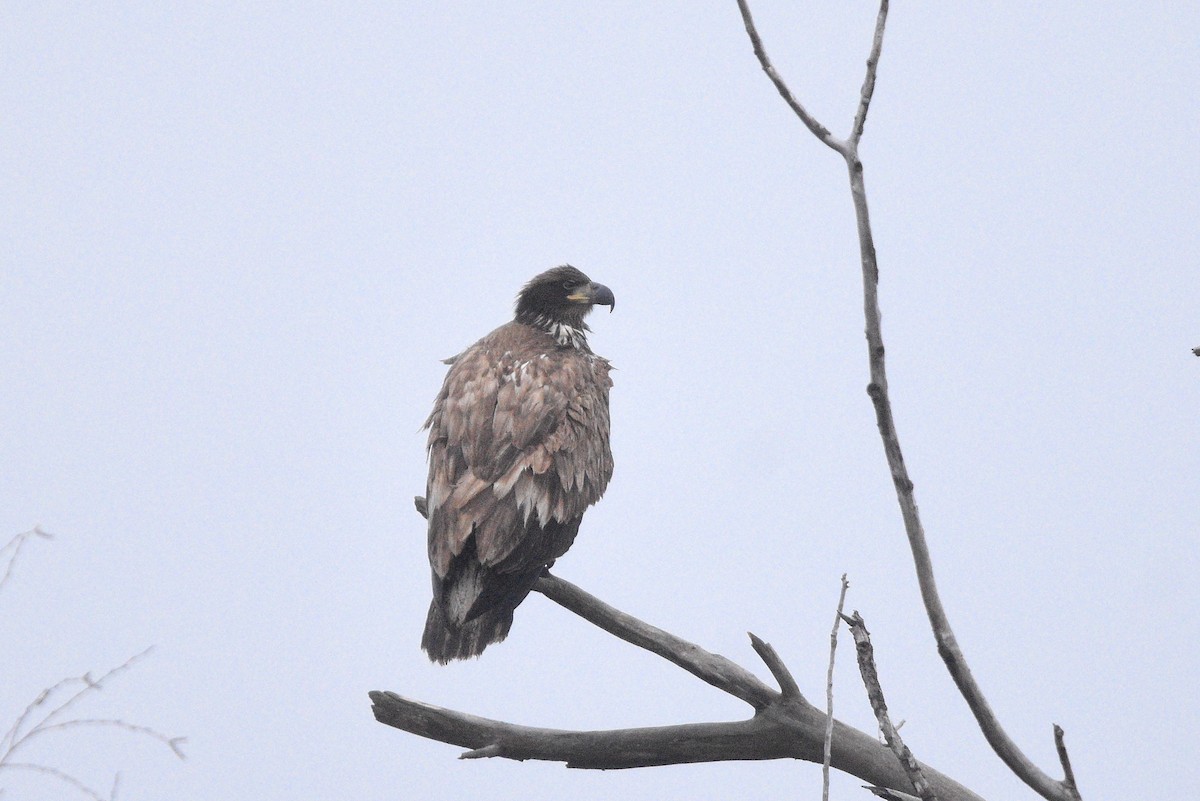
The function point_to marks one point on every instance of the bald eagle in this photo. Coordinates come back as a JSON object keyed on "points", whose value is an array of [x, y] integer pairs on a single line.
{"points": [[518, 450]]}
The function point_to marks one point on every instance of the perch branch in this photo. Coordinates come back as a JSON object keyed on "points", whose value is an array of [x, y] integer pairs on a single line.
{"points": [[722, 673], [870, 676], [783, 726], [948, 648]]}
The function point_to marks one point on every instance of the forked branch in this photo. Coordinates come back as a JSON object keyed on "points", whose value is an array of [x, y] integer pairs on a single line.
{"points": [[951, 654], [784, 724]]}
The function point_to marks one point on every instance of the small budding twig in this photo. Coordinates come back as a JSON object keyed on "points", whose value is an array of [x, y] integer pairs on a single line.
{"points": [[866, 666]]}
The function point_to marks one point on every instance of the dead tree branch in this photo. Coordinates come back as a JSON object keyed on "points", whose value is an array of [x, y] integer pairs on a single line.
{"points": [[837, 621], [722, 673], [870, 676], [783, 726], [948, 647]]}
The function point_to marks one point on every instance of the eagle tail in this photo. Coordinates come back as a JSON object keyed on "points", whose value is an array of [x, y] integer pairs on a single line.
{"points": [[443, 641]]}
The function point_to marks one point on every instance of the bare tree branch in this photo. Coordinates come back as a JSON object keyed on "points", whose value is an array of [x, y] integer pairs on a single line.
{"points": [[757, 738], [61, 775], [818, 130], [715, 669], [870, 676], [1060, 745], [948, 647], [787, 685], [21, 733], [781, 727], [837, 621], [15, 545], [868, 87]]}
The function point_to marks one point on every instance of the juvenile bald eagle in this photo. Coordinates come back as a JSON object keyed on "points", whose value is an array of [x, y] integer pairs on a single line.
{"points": [[518, 450]]}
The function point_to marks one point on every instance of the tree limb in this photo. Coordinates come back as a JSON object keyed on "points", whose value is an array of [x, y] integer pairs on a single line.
{"points": [[757, 738], [782, 726], [818, 130], [948, 648], [715, 669], [868, 87]]}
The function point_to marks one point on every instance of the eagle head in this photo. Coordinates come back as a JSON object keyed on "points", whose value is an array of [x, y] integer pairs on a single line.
{"points": [[561, 297]]}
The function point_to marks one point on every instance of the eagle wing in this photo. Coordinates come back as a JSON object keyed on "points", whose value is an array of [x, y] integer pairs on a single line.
{"points": [[518, 449]]}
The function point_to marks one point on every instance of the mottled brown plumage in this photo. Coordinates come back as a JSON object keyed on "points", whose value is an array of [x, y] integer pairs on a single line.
{"points": [[518, 450]]}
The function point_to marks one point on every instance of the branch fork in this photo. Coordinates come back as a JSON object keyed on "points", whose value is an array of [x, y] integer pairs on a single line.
{"points": [[784, 725]]}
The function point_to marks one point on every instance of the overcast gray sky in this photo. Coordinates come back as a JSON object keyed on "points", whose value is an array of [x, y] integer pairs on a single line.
{"points": [[237, 240]]}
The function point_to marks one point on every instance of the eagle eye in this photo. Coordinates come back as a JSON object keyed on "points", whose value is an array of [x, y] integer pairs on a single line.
{"points": [[568, 285]]}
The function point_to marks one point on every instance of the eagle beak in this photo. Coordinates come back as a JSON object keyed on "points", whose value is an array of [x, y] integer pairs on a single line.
{"points": [[600, 295]]}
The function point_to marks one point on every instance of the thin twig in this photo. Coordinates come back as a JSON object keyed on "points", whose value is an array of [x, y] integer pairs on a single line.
{"points": [[15, 545], [18, 736], [868, 87], [61, 775], [818, 130], [174, 743], [870, 676], [837, 621], [90, 685], [11, 735]]}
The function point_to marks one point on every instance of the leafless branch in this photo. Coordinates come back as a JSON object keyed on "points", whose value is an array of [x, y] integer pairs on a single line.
{"points": [[61, 775], [782, 726], [948, 647], [837, 622], [722, 673], [868, 87], [15, 739], [787, 685], [15, 545], [818, 130], [870, 676], [1060, 745], [21, 733]]}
